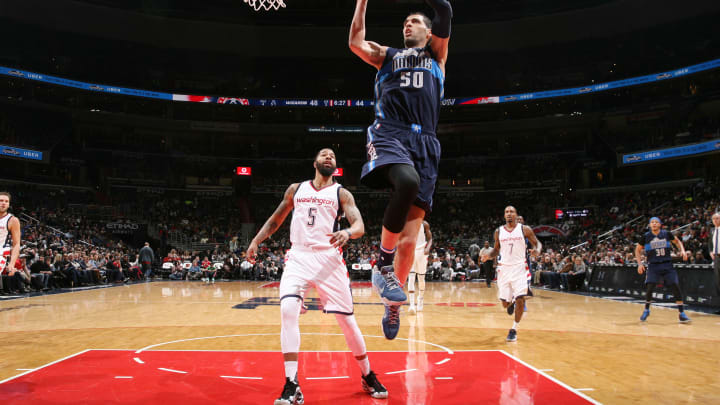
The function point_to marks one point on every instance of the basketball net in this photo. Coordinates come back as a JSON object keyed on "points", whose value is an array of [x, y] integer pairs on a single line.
{"points": [[265, 4]]}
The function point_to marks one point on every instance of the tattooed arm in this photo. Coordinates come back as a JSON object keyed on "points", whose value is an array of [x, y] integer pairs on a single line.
{"points": [[352, 213]]}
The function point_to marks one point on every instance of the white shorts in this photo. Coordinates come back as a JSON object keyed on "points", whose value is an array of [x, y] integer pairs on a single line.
{"points": [[512, 281], [420, 263], [323, 269]]}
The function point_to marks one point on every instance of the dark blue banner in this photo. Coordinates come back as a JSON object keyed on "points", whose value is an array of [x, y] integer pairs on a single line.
{"points": [[20, 153], [327, 103], [671, 153]]}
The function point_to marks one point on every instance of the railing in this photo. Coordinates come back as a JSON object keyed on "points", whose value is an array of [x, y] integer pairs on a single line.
{"points": [[179, 240]]}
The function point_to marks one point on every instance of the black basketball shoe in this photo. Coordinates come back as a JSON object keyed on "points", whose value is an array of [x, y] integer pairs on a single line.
{"points": [[372, 386], [291, 394]]}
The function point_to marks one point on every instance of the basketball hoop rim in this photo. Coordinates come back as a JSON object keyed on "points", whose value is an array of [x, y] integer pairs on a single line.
{"points": [[265, 5]]}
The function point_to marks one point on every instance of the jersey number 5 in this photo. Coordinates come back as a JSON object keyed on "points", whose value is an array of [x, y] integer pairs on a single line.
{"points": [[412, 78], [311, 216]]}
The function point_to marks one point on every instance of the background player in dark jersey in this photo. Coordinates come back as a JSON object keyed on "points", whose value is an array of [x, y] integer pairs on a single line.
{"points": [[403, 151], [528, 261], [656, 244]]}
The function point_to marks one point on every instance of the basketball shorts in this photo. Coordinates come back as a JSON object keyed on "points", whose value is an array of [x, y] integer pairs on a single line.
{"points": [[658, 272], [512, 281], [325, 270], [420, 263], [392, 142]]}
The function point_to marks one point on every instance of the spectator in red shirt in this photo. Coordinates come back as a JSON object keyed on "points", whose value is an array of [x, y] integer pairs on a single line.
{"points": [[209, 271]]}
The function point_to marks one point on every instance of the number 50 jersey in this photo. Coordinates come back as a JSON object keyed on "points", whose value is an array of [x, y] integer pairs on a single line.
{"points": [[316, 213], [409, 88]]}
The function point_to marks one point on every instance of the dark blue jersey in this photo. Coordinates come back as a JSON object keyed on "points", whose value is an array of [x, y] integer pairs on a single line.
{"points": [[409, 88], [657, 247]]}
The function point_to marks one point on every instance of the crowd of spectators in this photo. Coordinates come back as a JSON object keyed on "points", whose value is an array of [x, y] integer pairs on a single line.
{"points": [[63, 249]]}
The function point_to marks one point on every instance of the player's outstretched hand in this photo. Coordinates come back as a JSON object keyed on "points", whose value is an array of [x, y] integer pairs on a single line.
{"points": [[484, 258], [685, 256], [641, 268], [251, 252], [339, 238]]}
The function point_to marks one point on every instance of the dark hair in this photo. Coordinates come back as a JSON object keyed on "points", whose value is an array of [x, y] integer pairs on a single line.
{"points": [[7, 194], [322, 149], [425, 18]]}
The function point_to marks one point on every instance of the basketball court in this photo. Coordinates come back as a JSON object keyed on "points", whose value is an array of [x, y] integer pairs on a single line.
{"points": [[191, 343]]}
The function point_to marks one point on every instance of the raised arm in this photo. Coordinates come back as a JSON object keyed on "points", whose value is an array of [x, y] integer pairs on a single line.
{"points": [[274, 222], [428, 237], [352, 213], [537, 246], [371, 52], [441, 30]]}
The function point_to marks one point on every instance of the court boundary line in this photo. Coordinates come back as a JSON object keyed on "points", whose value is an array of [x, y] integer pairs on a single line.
{"points": [[553, 379], [45, 365]]}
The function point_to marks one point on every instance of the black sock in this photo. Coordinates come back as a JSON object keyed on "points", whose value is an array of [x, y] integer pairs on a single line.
{"points": [[647, 305], [386, 257], [681, 308]]}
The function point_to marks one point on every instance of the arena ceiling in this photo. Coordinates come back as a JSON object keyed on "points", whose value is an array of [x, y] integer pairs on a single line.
{"points": [[335, 12]]}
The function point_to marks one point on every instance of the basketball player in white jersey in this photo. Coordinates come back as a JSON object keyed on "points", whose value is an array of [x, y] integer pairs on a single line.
{"points": [[510, 246], [9, 234], [422, 250], [315, 260]]}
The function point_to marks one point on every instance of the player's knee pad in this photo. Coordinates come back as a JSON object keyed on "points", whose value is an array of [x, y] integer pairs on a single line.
{"points": [[290, 309], [290, 328], [677, 292], [406, 184], [353, 336], [650, 288], [405, 180]]}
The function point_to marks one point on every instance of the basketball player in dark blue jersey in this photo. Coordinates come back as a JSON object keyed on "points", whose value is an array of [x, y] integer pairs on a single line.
{"points": [[656, 244], [521, 221], [403, 151]]}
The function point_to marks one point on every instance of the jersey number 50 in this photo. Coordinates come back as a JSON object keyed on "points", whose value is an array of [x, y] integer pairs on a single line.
{"points": [[412, 78]]}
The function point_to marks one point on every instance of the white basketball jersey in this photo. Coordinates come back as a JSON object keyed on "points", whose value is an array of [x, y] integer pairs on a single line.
{"points": [[316, 213], [421, 240], [5, 237], [512, 245]]}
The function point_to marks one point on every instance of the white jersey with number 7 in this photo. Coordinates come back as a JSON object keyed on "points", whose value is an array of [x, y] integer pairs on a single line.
{"points": [[512, 245]]}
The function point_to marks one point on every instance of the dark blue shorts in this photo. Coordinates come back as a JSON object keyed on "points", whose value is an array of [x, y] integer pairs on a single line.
{"points": [[390, 142], [657, 272]]}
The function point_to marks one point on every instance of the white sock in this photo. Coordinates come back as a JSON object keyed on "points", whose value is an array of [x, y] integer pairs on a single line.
{"points": [[291, 370], [515, 325], [364, 365]]}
